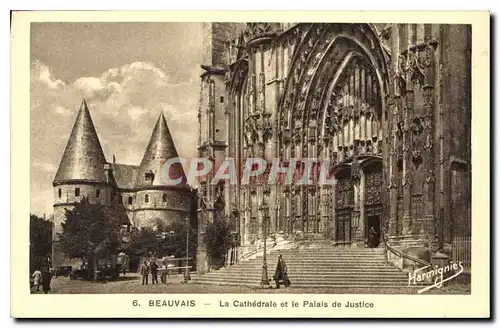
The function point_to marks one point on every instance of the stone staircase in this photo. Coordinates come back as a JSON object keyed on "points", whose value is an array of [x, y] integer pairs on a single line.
{"points": [[316, 266]]}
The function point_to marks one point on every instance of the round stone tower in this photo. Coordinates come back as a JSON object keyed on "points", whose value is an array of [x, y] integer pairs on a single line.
{"points": [[81, 173], [156, 200]]}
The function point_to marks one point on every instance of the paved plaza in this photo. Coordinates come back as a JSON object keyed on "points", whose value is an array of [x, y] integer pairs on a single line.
{"points": [[132, 285]]}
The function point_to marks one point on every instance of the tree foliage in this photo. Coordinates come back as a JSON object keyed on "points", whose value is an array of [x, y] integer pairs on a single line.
{"points": [[90, 230], [218, 240], [173, 241], [40, 241], [143, 242], [164, 240]]}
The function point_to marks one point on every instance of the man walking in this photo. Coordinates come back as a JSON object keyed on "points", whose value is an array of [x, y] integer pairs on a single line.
{"points": [[145, 273]]}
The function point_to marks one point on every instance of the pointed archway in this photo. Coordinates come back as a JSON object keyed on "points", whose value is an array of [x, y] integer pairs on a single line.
{"points": [[333, 108]]}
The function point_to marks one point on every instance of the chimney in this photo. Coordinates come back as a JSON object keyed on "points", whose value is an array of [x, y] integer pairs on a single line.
{"points": [[107, 172]]}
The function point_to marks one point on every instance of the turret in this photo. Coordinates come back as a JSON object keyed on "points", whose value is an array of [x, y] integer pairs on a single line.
{"points": [[81, 173], [156, 199]]}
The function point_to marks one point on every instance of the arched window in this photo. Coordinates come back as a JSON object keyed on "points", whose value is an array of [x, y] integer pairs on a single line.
{"points": [[146, 198], [130, 200], [164, 198]]}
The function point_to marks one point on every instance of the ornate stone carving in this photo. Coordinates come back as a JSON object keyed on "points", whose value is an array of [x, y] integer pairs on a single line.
{"points": [[406, 181], [373, 181], [392, 183], [430, 177], [417, 128]]}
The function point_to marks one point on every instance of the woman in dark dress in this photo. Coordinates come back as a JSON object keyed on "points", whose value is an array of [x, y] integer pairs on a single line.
{"points": [[281, 273], [373, 238], [46, 278]]}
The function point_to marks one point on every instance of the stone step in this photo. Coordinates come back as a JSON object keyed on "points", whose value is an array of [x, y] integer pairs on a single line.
{"points": [[326, 266], [322, 265], [316, 267], [352, 272], [325, 257], [314, 278], [311, 286], [328, 249], [318, 257], [320, 273], [334, 260]]}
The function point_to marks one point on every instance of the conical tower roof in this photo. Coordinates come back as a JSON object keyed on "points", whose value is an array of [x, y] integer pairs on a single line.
{"points": [[160, 149], [83, 158]]}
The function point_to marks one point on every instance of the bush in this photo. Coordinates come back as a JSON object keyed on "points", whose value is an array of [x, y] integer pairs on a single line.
{"points": [[218, 239]]}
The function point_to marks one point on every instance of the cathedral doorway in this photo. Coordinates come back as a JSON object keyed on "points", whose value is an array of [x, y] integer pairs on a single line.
{"points": [[344, 205], [343, 227], [372, 201], [372, 233]]}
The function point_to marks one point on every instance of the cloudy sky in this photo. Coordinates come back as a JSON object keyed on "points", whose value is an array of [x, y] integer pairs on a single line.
{"points": [[128, 73]]}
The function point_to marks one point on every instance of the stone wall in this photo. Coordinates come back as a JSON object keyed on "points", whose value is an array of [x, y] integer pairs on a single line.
{"points": [[215, 40]]}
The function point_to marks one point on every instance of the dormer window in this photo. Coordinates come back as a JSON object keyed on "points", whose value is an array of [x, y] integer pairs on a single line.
{"points": [[149, 176]]}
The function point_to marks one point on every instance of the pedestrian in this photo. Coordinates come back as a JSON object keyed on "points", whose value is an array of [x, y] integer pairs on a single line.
{"points": [[46, 278], [164, 273], [154, 273], [37, 279], [145, 273], [372, 238], [281, 273]]}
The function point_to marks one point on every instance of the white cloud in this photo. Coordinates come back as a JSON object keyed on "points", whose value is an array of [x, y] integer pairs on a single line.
{"points": [[136, 112], [89, 84], [61, 110], [46, 77], [124, 102]]}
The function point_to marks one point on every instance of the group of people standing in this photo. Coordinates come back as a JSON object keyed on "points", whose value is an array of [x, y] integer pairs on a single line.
{"points": [[153, 268]]}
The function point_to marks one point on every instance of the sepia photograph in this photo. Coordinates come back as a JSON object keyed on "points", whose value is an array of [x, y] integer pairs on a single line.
{"points": [[118, 108], [251, 157]]}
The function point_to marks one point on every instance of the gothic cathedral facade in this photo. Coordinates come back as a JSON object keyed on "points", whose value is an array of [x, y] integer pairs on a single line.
{"points": [[388, 104]]}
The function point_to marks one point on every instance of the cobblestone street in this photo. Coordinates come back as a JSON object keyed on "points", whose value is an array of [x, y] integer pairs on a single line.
{"points": [[132, 285]]}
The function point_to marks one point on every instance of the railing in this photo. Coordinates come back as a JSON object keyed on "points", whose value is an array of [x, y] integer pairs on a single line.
{"points": [[400, 254], [246, 255], [269, 246], [461, 250]]}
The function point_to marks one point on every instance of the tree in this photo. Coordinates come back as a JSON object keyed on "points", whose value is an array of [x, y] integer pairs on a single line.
{"points": [[173, 241], [90, 232], [143, 242], [163, 240], [40, 241], [218, 240]]}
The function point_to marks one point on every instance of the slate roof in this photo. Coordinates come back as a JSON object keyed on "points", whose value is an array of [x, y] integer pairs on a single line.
{"points": [[83, 158], [160, 149]]}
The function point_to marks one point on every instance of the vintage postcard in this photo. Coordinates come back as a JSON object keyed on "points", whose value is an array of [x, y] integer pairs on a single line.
{"points": [[243, 164]]}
